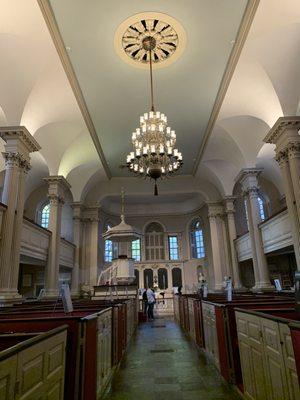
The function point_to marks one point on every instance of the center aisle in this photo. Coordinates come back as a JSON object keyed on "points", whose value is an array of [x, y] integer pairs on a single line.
{"points": [[161, 363]]}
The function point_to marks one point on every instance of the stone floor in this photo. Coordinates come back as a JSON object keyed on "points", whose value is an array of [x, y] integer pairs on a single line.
{"points": [[161, 363]]}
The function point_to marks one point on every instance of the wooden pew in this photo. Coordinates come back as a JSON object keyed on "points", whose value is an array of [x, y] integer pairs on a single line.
{"points": [[267, 354], [88, 346], [33, 365]]}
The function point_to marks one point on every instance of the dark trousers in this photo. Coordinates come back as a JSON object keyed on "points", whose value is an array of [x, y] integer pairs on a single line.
{"points": [[145, 306], [150, 310]]}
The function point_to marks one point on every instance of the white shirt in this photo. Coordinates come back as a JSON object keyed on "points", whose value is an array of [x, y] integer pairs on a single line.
{"points": [[150, 296]]}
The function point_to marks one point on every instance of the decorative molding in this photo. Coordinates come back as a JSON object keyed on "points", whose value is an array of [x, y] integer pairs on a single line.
{"points": [[58, 180], [230, 68], [11, 132], [169, 39], [282, 124], [248, 172], [69, 70]]}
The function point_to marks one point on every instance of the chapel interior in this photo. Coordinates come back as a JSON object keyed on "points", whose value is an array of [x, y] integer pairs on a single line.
{"points": [[150, 150]]}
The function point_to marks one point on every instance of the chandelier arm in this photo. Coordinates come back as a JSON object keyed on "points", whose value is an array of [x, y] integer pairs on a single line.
{"points": [[151, 80]]}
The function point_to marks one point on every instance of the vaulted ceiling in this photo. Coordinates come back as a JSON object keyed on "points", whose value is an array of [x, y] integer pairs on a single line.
{"points": [[82, 101]]}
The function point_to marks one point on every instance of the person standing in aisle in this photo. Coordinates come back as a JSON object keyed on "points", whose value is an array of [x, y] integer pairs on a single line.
{"points": [[145, 301], [151, 301]]}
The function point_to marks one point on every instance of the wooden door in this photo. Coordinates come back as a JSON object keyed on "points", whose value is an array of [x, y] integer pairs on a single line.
{"points": [[8, 370], [252, 356], [289, 362], [41, 370]]}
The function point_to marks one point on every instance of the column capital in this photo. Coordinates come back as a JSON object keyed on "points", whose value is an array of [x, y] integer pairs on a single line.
{"points": [[16, 160], [248, 178], [78, 208], [228, 202], [57, 185], [19, 140], [284, 131], [91, 213], [215, 209], [55, 200]]}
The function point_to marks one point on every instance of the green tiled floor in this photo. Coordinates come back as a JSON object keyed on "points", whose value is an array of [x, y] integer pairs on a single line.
{"points": [[161, 363]]}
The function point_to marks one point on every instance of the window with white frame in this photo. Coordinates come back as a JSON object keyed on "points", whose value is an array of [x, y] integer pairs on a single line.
{"points": [[197, 240], [108, 252], [261, 207], [173, 247], [109, 248], [154, 242], [45, 215], [136, 250]]}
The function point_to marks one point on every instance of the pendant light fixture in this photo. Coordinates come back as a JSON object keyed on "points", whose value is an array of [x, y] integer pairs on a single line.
{"points": [[154, 154]]}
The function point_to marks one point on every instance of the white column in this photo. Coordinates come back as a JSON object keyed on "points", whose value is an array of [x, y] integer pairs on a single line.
{"points": [[18, 224], [285, 135], [19, 144], [214, 212], [77, 239], [230, 210], [91, 216], [57, 185], [248, 178]]}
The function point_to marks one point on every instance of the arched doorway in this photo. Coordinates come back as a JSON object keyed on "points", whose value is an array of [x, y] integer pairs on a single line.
{"points": [[148, 277], [176, 277], [137, 277], [162, 278]]}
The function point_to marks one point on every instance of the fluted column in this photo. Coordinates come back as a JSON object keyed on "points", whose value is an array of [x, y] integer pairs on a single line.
{"points": [[77, 239], [284, 134], [230, 210], [92, 218], [215, 211], [57, 185], [18, 224], [248, 179], [19, 144]]}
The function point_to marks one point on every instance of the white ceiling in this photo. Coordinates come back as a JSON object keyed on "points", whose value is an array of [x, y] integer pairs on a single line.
{"points": [[117, 93], [35, 91]]}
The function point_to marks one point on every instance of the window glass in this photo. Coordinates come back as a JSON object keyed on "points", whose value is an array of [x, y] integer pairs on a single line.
{"points": [[261, 208], [197, 240], [154, 240], [173, 248], [45, 216], [108, 254], [108, 250], [136, 250]]}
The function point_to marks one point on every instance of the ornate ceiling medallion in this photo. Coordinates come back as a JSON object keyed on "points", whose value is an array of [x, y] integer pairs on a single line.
{"points": [[167, 35], [164, 36]]}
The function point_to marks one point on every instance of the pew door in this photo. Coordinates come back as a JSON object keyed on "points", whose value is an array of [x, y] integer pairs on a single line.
{"points": [[8, 370], [275, 370], [289, 361], [41, 369], [252, 356]]}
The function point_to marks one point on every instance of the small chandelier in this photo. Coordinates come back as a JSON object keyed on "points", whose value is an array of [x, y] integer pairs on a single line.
{"points": [[154, 155]]}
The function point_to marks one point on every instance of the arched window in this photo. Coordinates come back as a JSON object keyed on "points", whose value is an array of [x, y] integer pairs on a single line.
{"points": [[109, 248], [261, 207], [154, 242], [197, 240], [136, 250], [45, 214]]}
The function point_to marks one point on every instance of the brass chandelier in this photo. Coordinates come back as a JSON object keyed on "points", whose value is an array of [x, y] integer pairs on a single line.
{"points": [[154, 155]]}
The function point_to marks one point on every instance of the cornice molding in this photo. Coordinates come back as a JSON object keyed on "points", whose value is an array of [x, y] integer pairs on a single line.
{"points": [[247, 172], [11, 132], [226, 79], [58, 180], [282, 124], [69, 70]]}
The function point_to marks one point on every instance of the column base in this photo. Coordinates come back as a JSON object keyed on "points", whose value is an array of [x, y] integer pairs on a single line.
{"points": [[263, 287], [9, 298], [51, 295]]}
